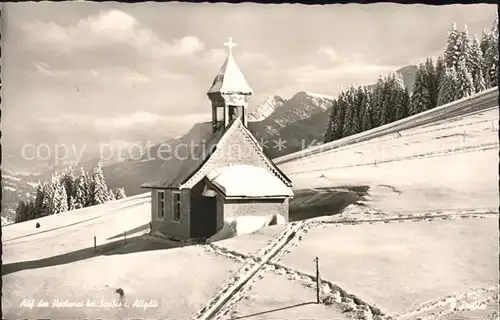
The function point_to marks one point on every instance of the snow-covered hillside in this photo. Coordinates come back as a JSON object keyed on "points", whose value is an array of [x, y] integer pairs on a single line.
{"points": [[57, 261], [449, 163]]}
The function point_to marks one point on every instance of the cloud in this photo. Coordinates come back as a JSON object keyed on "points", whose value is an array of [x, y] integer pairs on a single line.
{"points": [[133, 76], [361, 71], [255, 59], [44, 69], [123, 121], [109, 76], [330, 53], [110, 27], [137, 119]]}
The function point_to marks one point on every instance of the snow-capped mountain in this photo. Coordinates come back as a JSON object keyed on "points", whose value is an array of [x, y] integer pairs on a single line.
{"points": [[301, 106], [299, 122], [302, 120], [266, 108]]}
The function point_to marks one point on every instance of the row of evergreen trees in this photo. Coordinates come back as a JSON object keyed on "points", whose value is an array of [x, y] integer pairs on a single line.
{"points": [[359, 109], [67, 192], [466, 67]]}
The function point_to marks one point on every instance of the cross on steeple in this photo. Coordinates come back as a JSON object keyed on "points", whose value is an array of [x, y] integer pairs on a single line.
{"points": [[230, 44]]}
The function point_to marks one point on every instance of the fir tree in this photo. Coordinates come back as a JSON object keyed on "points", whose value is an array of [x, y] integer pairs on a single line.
{"points": [[405, 110], [38, 207], [361, 107], [111, 195], [349, 127], [68, 182], [448, 87], [100, 193], [440, 67], [465, 49], [72, 203], [378, 104], [340, 115], [59, 196], [430, 78], [465, 84], [81, 190], [90, 189], [475, 65], [489, 47], [420, 99], [120, 194], [30, 210], [401, 98], [47, 201], [389, 99], [485, 41], [479, 83], [332, 125], [21, 211], [453, 47]]}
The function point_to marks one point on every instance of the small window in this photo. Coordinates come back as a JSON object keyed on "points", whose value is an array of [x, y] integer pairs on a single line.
{"points": [[177, 206], [161, 205], [219, 114]]}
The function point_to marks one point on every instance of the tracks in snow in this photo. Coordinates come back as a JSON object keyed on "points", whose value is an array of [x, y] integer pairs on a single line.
{"points": [[229, 295], [469, 300], [330, 293], [267, 259]]}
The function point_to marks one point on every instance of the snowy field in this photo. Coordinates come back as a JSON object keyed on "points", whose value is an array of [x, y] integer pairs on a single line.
{"points": [[173, 283], [276, 297], [57, 261], [251, 243], [447, 165], [74, 231], [399, 266]]}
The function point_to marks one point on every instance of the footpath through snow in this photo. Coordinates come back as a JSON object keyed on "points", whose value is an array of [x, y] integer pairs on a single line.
{"points": [[267, 259]]}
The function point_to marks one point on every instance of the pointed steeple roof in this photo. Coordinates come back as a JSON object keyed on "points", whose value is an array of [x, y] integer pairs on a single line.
{"points": [[230, 79]]}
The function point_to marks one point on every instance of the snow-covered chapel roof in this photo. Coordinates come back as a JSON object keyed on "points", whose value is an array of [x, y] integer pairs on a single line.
{"points": [[230, 79], [248, 181]]}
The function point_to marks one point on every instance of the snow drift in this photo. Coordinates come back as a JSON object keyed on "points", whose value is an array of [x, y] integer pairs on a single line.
{"points": [[236, 226]]}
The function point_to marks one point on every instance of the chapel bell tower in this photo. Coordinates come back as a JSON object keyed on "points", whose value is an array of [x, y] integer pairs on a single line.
{"points": [[229, 93]]}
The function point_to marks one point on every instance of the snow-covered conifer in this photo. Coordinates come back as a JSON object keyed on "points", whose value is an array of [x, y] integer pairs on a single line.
{"points": [[420, 99], [68, 182], [453, 47], [47, 205], [378, 103], [100, 193], [59, 196], [465, 49], [464, 81], [81, 190], [350, 117], [479, 83], [430, 77], [21, 211], [120, 193], [38, 206], [448, 87]]}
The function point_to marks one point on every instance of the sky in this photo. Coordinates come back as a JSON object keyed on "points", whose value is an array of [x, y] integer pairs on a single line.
{"points": [[97, 72]]}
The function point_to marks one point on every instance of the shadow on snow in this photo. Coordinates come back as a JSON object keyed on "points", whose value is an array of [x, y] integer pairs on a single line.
{"points": [[313, 203], [306, 204], [122, 246]]}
